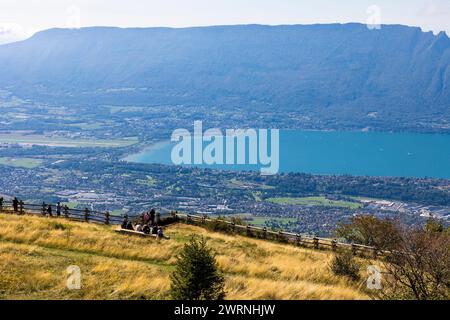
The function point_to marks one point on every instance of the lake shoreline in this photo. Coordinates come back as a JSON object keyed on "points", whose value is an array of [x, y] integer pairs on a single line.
{"points": [[376, 154]]}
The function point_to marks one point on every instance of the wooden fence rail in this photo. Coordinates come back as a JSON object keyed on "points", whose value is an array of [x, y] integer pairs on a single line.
{"points": [[283, 236], [87, 215]]}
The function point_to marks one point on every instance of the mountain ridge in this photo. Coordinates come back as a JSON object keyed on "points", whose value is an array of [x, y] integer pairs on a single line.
{"points": [[341, 68]]}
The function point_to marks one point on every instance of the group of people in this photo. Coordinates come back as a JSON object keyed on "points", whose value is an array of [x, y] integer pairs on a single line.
{"points": [[15, 203], [47, 209], [18, 205], [148, 224]]}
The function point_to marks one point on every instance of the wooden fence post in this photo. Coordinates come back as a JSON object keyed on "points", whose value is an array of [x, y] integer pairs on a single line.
{"points": [[316, 243], [86, 214], [107, 217], [249, 233], [334, 245], [280, 236], [21, 207], [353, 249], [265, 233], [298, 239], [375, 253], [66, 211]]}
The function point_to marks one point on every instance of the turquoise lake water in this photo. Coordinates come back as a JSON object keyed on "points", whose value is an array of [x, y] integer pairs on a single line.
{"points": [[354, 153]]}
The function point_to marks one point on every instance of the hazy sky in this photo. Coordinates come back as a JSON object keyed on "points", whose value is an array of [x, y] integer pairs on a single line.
{"points": [[21, 18]]}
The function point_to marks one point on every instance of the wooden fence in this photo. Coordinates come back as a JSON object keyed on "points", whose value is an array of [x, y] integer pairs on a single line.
{"points": [[87, 215], [283, 236]]}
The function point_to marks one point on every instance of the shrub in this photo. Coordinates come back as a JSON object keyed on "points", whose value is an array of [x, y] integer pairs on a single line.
{"points": [[418, 267], [219, 225], [416, 260], [196, 276], [344, 264], [57, 225], [370, 231]]}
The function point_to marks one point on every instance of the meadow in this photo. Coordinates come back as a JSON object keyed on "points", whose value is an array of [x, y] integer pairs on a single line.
{"points": [[317, 201], [35, 253], [42, 140], [28, 163]]}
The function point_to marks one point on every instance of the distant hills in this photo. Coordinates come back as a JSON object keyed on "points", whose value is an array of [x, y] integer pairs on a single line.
{"points": [[342, 71]]}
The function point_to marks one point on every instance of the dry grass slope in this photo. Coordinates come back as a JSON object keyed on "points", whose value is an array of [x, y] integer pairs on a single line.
{"points": [[35, 252]]}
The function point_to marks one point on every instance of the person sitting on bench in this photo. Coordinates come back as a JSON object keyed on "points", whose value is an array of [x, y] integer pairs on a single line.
{"points": [[130, 226], [146, 229], [124, 223], [161, 234]]}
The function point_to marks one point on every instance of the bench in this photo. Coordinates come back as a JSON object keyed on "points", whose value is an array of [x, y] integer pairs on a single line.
{"points": [[135, 233]]}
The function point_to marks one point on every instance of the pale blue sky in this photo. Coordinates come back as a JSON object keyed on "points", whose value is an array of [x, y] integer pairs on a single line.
{"points": [[20, 18]]}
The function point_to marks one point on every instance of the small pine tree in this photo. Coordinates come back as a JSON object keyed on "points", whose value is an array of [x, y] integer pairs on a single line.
{"points": [[196, 276]]}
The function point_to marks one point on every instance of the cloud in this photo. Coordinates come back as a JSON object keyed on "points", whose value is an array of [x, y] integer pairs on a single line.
{"points": [[434, 16], [10, 32], [436, 8]]}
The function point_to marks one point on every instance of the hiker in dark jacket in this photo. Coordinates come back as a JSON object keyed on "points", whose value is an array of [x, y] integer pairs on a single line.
{"points": [[49, 210], [58, 209], [152, 216], [124, 223], [15, 204]]}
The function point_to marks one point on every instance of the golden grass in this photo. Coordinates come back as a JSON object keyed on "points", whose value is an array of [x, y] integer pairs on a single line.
{"points": [[35, 252]]}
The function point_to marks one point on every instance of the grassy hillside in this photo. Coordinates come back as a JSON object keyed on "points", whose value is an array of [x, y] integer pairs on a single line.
{"points": [[35, 252]]}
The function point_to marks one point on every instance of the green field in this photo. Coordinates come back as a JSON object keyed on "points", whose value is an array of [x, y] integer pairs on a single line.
{"points": [[261, 221], [316, 201], [71, 205], [118, 212], [256, 220], [149, 182], [28, 163], [64, 142], [87, 126]]}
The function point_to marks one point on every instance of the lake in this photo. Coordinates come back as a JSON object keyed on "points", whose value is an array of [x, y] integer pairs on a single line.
{"points": [[353, 153]]}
